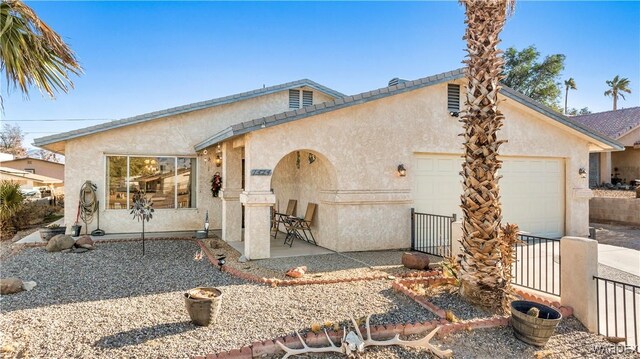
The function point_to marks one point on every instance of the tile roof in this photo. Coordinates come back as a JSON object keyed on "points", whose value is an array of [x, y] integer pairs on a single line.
{"points": [[614, 124], [46, 140], [402, 87]]}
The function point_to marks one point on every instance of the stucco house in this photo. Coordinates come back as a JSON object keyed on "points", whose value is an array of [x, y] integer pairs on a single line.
{"points": [[304, 141], [623, 126]]}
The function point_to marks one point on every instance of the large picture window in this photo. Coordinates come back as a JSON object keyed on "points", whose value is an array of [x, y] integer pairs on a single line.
{"points": [[169, 181]]}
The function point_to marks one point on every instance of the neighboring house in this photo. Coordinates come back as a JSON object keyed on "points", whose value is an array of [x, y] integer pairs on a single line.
{"points": [[303, 141], [623, 126], [28, 180], [37, 166]]}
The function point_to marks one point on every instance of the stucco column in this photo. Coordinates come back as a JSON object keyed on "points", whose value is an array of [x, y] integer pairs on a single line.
{"points": [[230, 194], [578, 289], [577, 198], [257, 223], [605, 167]]}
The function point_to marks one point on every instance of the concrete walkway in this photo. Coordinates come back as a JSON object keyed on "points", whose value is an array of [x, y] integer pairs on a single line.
{"points": [[624, 259], [35, 236]]}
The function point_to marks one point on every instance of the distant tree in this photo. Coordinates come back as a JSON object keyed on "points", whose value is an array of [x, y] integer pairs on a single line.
{"points": [[31, 53], [569, 84], [616, 88], [580, 112], [539, 80], [46, 155], [11, 139]]}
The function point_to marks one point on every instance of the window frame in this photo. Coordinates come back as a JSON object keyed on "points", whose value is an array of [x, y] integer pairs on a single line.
{"points": [[175, 185]]}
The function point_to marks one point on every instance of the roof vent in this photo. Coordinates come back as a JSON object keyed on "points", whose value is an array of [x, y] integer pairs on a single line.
{"points": [[395, 81]]}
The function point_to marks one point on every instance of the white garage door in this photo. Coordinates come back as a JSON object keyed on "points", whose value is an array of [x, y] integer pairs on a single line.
{"points": [[532, 190]]}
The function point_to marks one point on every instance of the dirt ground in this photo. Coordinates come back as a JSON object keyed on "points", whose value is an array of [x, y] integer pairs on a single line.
{"points": [[618, 235]]}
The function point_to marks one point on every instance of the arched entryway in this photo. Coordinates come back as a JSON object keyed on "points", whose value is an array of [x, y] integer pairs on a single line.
{"points": [[306, 176]]}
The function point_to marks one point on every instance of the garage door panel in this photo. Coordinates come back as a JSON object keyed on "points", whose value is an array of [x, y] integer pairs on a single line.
{"points": [[532, 190]]}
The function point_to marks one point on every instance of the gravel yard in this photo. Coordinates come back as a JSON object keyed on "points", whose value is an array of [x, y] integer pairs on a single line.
{"points": [[112, 302], [326, 266], [571, 340], [618, 235], [460, 308]]}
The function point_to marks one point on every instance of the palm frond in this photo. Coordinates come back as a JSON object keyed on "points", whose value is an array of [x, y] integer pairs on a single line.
{"points": [[32, 54]]}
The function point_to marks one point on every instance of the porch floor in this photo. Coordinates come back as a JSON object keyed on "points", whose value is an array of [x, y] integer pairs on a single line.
{"points": [[280, 250]]}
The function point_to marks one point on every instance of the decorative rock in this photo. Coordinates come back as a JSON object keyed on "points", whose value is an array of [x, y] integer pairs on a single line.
{"points": [[242, 259], [85, 242], [28, 285], [10, 286], [59, 243], [80, 250], [297, 272], [415, 260]]}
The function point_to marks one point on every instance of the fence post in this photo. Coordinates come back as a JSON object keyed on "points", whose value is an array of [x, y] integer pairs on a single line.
{"points": [[413, 228], [456, 237], [578, 289]]}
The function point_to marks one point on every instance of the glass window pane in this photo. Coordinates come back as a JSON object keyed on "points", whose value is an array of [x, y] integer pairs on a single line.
{"points": [[186, 183], [156, 176], [116, 182]]}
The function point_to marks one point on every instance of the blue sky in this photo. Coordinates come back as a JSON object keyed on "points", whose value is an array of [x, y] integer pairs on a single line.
{"points": [[145, 56]]}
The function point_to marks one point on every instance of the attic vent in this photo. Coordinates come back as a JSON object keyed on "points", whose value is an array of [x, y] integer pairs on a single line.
{"points": [[307, 98], [294, 98], [453, 98], [395, 81]]}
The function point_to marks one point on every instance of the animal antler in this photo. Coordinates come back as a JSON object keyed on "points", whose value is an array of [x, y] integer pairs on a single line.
{"points": [[345, 346], [307, 349], [424, 342]]}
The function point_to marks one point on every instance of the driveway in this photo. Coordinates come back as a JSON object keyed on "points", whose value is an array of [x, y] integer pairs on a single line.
{"points": [[618, 235]]}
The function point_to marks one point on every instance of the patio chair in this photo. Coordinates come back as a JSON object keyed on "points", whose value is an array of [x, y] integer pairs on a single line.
{"points": [[301, 227], [278, 218]]}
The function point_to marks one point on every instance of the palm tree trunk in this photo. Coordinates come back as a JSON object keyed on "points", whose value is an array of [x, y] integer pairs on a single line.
{"points": [[566, 94], [615, 99], [480, 272]]}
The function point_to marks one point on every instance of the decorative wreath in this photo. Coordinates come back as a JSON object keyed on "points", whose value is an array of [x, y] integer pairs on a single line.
{"points": [[216, 184]]}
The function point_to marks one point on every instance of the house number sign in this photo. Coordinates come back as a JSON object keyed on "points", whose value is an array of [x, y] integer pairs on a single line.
{"points": [[261, 172]]}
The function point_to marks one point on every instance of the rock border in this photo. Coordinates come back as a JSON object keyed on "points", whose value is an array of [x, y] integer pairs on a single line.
{"points": [[290, 282]]}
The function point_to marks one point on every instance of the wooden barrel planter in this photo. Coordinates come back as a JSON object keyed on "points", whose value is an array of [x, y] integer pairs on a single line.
{"points": [[46, 233], [533, 330], [203, 305]]}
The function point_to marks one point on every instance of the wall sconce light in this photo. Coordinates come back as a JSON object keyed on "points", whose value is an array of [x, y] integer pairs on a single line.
{"points": [[218, 161], [312, 158], [582, 172], [454, 113], [401, 170]]}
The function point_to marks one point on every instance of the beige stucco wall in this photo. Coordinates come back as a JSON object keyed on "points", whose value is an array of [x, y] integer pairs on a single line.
{"points": [[171, 136], [627, 162], [620, 210], [629, 139], [365, 143], [43, 168]]}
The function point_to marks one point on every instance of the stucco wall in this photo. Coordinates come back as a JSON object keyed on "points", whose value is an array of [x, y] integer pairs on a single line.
{"points": [[627, 162], [43, 168], [622, 210], [172, 136], [630, 138], [365, 143]]}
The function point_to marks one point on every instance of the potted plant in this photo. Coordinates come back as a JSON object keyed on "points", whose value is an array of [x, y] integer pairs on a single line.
{"points": [[203, 305], [50, 231], [532, 322]]}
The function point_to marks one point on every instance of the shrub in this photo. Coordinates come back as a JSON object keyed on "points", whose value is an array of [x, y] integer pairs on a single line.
{"points": [[10, 199]]}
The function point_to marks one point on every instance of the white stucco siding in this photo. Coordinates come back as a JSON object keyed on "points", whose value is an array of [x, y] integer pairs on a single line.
{"points": [[365, 144], [172, 136]]}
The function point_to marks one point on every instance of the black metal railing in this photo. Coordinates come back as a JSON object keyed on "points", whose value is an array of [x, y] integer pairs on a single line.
{"points": [[431, 233], [617, 307], [537, 264]]}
